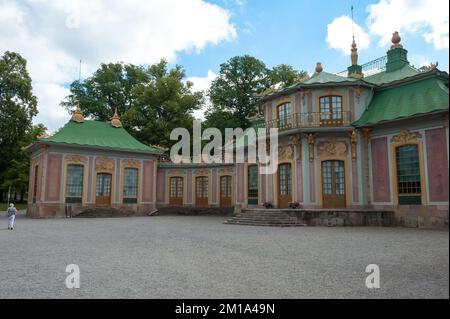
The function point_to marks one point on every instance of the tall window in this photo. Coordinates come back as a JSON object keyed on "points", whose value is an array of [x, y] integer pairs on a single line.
{"points": [[285, 179], [408, 175], [35, 186], [74, 183], [253, 185], [130, 185], [176, 187], [284, 115], [225, 186], [202, 186], [331, 110]]}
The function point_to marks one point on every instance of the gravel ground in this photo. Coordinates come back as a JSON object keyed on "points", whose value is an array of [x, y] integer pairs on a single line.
{"points": [[199, 257]]}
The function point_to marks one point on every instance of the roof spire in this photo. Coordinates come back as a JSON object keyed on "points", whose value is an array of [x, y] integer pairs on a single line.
{"points": [[354, 54], [115, 120], [353, 24]]}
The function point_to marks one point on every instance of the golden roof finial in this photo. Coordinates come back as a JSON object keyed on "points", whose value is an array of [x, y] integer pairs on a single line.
{"points": [[354, 54], [115, 120], [319, 67], [396, 40], [77, 116]]}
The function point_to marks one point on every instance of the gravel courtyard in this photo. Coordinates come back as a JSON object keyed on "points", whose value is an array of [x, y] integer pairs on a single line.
{"points": [[199, 257]]}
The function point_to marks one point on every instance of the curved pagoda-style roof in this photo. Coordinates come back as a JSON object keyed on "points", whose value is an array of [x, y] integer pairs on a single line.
{"points": [[97, 134], [412, 99]]}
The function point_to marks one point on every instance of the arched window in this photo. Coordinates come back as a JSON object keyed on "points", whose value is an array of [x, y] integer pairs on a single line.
{"points": [[74, 183], [284, 115], [331, 110], [130, 185]]}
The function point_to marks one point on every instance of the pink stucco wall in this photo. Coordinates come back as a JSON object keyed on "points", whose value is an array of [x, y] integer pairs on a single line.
{"points": [[355, 182], [31, 181], [312, 187], [297, 103], [262, 187], [118, 177], [214, 186], [189, 187], [310, 103], [53, 177], [90, 195], [161, 189], [380, 170], [40, 177], [240, 182], [437, 165], [299, 181], [351, 97], [147, 183]]}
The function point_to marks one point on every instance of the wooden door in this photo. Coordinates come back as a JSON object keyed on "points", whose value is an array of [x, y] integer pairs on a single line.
{"points": [[284, 185], [201, 191], [176, 191], [225, 191], [103, 193], [333, 184]]}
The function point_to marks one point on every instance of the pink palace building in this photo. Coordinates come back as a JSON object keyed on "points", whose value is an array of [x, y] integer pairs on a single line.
{"points": [[374, 137]]}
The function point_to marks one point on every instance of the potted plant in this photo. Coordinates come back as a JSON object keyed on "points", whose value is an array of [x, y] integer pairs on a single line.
{"points": [[294, 205], [268, 205]]}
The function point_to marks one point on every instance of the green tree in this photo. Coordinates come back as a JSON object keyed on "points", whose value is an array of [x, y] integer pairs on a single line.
{"points": [[151, 100], [286, 75], [18, 106], [233, 93], [16, 175], [234, 89]]}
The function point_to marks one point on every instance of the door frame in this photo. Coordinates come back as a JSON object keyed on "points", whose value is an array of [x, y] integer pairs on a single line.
{"points": [[320, 181], [230, 177], [393, 158], [208, 189], [333, 184], [276, 183], [110, 186], [183, 189]]}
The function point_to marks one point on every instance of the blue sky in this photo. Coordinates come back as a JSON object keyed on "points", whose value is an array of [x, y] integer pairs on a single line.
{"points": [[294, 32], [53, 35]]}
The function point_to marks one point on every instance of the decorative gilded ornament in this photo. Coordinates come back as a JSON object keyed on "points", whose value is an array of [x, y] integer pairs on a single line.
{"points": [[77, 116], [115, 120]]}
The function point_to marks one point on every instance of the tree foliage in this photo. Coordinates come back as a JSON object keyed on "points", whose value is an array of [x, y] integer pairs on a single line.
{"points": [[233, 93], [150, 100], [18, 106]]}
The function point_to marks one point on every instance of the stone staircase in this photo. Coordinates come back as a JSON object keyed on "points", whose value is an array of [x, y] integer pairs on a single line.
{"points": [[313, 217]]}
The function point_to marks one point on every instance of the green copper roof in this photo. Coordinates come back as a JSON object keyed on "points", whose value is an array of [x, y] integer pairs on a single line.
{"points": [[387, 77], [325, 77], [398, 102], [98, 134]]}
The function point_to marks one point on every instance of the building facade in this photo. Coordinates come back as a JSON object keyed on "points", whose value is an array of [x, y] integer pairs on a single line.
{"points": [[354, 141]]}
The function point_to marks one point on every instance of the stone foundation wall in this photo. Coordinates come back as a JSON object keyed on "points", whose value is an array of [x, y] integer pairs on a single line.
{"points": [[60, 210]]}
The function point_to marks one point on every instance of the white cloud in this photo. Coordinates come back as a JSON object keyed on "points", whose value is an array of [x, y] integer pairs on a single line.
{"points": [[339, 35], [54, 34], [202, 84], [429, 18]]}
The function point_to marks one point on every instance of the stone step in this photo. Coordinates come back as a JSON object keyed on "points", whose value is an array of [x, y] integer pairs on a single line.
{"points": [[265, 224]]}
